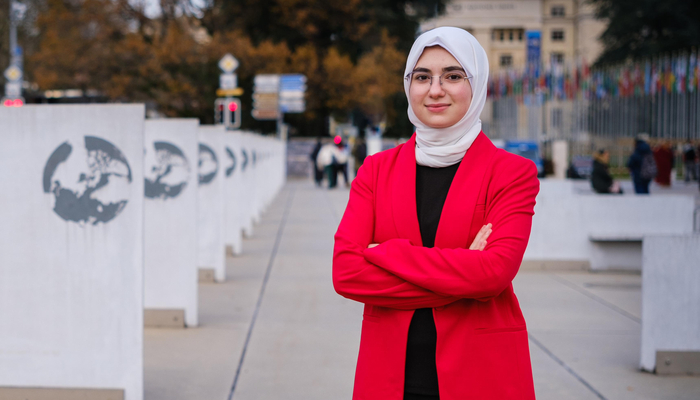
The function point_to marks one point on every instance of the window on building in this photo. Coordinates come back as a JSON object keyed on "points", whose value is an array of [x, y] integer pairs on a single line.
{"points": [[557, 58], [520, 35], [557, 35], [510, 35], [558, 11], [501, 35], [556, 118], [506, 60]]}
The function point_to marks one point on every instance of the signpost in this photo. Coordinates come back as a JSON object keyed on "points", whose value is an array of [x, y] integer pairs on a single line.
{"points": [[13, 74], [291, 94], [266, 97], [227, 108], [275, 95]]}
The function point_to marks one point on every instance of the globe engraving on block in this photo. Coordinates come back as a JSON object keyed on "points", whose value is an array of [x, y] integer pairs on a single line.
{"points": [[166, 171], [232, 157], [244, 163], [208, 164], [90, 183]]}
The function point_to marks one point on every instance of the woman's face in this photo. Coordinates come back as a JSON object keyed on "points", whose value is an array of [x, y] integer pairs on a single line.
{"points": [[436, 105]]}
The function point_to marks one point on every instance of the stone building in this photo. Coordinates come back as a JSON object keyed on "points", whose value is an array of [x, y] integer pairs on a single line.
{"points": [[568, 29]]}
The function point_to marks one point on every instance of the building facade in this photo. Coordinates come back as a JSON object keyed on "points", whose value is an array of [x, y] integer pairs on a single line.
{"points": [[567, 29]]}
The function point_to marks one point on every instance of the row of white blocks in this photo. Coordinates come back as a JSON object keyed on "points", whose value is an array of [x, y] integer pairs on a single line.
{"points": [[103, 214]]}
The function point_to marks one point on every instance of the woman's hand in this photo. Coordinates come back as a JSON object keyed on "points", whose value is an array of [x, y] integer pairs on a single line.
{"points": [[480, 239]]}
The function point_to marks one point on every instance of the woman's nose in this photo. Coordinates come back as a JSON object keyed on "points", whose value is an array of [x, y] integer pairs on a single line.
{"points": [[436, 89]]}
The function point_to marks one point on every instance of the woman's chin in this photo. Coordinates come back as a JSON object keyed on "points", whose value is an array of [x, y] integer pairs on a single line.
{"points": [[438, 123]]}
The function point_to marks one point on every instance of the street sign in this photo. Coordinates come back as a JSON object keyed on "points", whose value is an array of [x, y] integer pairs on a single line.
{"points": [[262, 115], [13, 73], [228, 63], [228, 81], [291, 93], [266, 97], [13, 90], [229, 92]]}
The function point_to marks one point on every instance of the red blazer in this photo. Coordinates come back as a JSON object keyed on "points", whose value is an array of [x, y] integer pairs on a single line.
{"points": [[482, 344]]}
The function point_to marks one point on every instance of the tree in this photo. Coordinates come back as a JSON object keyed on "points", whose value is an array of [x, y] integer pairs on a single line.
{"points": [[643, 28], [351, 52]]}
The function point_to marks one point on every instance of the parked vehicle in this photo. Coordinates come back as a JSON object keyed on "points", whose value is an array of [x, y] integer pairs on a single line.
{"points": [[529, 149]]}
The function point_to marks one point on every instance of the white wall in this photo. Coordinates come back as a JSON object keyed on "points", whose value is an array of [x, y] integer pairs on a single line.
{"points": [[670, 296], [564, 220], [170, 169], [211, 252], [71, 272]]}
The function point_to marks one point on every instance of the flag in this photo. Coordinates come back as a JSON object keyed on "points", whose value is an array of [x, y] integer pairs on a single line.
{"points": [[647, 77]]}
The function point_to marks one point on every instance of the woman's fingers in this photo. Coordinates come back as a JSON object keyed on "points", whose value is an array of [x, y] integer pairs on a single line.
{"points": [[477, 239], [481, 237], [373, 245]]}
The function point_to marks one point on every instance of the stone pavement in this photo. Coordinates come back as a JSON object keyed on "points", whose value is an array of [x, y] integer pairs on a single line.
{"points": [[277, 330]]}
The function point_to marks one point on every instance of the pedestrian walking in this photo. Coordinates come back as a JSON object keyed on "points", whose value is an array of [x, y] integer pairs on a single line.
{"points": [[318, 174], [359, 152], [664, 158], [642, 166], [325, 161], [689, 160], [340, 159], [433, 234], [601, 180]]}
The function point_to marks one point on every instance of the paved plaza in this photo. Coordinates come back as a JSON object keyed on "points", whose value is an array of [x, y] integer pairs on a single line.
{"points": [[276, 329]]}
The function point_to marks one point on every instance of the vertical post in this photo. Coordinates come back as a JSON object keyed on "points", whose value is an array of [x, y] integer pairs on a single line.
{"points": [[281, 132], [13, 33]]}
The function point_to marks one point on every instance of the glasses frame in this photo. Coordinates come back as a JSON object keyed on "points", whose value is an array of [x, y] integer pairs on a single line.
{"points": [[409, 77]]}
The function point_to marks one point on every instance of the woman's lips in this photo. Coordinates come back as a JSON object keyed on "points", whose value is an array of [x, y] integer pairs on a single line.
{"points": [[436, 108]]}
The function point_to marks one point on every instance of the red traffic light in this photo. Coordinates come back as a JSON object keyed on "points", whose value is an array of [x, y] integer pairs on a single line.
{"points": [[232, 106], [13, 103]]}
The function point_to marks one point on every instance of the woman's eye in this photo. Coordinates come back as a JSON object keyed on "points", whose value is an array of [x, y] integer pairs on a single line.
{"points": [[454, 77], [421, 77]]}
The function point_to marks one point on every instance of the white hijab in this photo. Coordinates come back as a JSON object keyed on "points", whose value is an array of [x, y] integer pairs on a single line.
{"points": [[442, 147]]}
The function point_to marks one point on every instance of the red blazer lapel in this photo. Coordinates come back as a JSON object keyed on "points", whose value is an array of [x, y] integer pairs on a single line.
{"points": [[458, 211], [403, 193]]}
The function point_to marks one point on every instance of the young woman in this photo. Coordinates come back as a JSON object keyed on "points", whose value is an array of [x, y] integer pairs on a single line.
{"points": [[432, 236]]}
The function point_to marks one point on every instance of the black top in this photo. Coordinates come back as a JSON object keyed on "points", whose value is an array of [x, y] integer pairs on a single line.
{"points": [[432, 185], [601, 181]]}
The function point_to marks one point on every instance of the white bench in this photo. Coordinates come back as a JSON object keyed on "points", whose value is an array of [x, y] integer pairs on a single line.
{"points": [[621, 251], [602, 231]]}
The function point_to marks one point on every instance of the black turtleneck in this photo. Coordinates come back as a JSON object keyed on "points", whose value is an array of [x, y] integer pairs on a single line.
{"points": [[432, 186]]}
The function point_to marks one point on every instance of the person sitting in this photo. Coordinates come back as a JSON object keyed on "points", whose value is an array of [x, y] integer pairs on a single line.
{"points": [[601, 180]]}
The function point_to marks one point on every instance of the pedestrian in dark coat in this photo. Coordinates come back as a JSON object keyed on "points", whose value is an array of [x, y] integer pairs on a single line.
{"points": [[663, 155], [318, 175], [639, 157], [601, 180]]}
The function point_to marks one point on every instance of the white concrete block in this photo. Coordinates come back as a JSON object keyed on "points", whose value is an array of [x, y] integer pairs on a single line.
{"points": [[565, 220], [211, 252], [248, 182], [71, 247], [234, 191], [670, 296], [171, 180]]}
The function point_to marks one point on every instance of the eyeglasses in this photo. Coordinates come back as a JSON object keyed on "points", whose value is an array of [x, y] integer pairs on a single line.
{"points": [[448, 80]]}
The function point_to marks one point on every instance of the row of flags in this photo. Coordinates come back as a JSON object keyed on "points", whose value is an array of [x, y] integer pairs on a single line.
{"points": [[679, 73]]}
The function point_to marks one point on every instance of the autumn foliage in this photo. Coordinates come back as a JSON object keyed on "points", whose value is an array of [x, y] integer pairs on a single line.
{"points": [[350, 51]]}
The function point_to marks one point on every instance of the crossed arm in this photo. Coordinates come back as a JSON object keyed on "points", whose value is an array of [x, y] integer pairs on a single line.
{"points": [[397, 275]]}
